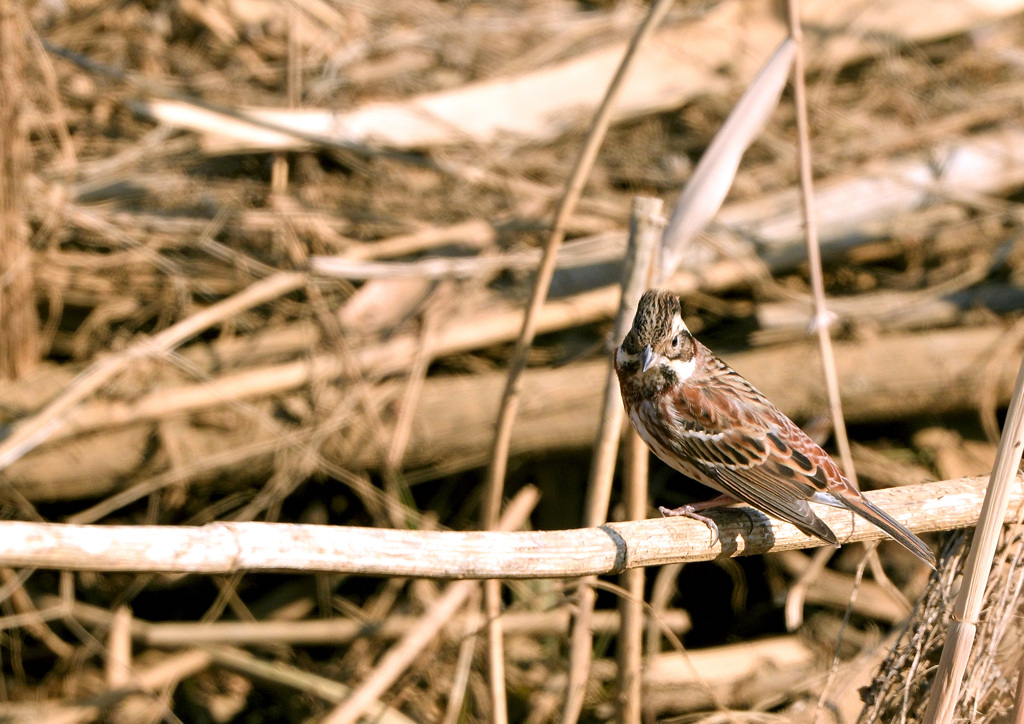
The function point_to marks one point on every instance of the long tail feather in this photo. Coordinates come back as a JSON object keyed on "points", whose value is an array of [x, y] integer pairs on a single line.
{"points": [[868, 510]]}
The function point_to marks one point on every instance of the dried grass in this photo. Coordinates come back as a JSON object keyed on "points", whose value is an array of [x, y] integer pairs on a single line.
{"points": [[367, 398]]}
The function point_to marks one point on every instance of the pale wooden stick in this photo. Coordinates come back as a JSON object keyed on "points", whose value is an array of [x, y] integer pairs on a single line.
{"points": [[647, 227], [646, 222], [402, 654], [964, 621], [630, 640], [230, 547], [30, 433]]}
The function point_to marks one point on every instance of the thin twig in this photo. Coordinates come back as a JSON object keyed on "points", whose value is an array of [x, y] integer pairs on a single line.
{"points": [[282, 674], [36, 624], [463, 665], [821, 314], [797, 593], [395, 487], [662, 591]]}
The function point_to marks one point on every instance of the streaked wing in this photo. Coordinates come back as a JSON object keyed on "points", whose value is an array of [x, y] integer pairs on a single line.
{"points": [[736, 438]]}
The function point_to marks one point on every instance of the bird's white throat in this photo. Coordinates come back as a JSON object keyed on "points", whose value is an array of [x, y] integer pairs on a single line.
{"points": [[682, 370]]}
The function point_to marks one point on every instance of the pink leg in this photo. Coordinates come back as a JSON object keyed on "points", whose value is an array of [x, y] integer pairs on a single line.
{"points": [[691, 511]]}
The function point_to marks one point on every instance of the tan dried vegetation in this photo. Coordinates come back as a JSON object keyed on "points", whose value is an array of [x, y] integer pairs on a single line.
{"points": [[145, 180]]}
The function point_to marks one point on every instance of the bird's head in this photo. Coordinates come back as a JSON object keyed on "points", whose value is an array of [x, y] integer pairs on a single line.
{"points": [[658, 340]]}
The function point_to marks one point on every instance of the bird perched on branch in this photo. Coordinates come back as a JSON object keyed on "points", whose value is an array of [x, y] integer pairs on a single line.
{"points": [[703, 419]]}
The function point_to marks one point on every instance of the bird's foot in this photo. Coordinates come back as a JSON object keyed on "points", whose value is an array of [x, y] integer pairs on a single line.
{"points": [[691, 511], [687, 511]]}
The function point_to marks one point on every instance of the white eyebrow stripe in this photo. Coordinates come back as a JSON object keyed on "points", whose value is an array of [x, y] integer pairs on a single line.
{"points": [[678, 325]]}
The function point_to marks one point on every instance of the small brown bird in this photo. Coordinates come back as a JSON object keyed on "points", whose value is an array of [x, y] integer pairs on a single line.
{"points": [[703, 419]]}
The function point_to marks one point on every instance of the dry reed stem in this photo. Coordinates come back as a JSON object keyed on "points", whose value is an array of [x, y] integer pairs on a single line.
{"points": [[118, 664], [797, 594], [822, 319], [223, 547], [464, 663], [629, 649], [409, 402], [32, 620], [646, 222], [329, 631], [280, 673], [402, 654], [58, 413], [19, 322], [662, 591], [495, 643], [152, 679], [835, 590], [964, 620], [510, 399]]}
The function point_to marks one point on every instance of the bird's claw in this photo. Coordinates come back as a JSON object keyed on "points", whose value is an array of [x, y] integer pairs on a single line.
{"points": [[687, 511]]}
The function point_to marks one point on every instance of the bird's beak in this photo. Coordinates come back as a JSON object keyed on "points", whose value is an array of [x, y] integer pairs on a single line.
{"points": [[647, 358]]}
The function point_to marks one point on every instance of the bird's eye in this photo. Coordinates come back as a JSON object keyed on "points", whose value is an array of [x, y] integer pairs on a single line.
{"points": [[675, 342]]}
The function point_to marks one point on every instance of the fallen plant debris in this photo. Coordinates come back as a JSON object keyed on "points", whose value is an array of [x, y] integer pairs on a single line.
{"points": [[243, 323]]}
